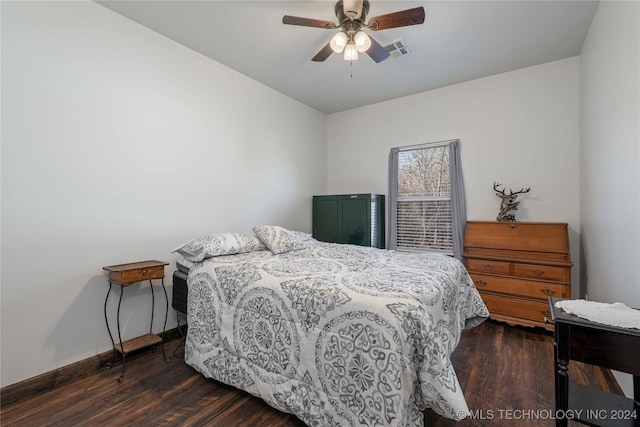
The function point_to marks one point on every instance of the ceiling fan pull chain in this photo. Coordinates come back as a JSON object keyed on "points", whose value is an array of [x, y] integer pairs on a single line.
{"points": [[351, 67]]}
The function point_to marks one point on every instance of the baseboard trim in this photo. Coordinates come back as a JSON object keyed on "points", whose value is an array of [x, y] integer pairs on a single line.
{"points": [[48, 380]]}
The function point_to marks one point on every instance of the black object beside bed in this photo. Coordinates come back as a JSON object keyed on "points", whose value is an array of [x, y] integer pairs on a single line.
{"points": [[179, 302]]}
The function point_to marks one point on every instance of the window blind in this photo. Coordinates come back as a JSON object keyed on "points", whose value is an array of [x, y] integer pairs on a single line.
{"points": [[425, 225]]}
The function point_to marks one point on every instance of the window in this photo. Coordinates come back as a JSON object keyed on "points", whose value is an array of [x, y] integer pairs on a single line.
{"points": [[424, 198]]}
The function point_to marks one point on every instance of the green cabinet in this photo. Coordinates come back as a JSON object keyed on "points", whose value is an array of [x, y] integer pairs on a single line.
{"points": [[357, 219]]}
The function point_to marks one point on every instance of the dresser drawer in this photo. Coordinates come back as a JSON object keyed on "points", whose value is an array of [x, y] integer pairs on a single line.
{"points": [[542, 272], [487, 266], [518, 287], [515, 307]]}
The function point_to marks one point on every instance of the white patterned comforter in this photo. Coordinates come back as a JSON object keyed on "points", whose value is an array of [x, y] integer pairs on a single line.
{"points": [[338, 335]]}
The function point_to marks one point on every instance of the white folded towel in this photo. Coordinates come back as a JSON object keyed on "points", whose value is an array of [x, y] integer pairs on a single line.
{"points": [[616, 314]]}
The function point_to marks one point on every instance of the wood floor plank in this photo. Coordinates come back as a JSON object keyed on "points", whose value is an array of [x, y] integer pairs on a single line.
{"points": [[499, 367]]}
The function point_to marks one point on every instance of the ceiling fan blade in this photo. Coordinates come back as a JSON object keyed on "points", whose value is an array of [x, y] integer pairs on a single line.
{"points": [[307, 22], [324, 53], [403, 18], [377, 52]]}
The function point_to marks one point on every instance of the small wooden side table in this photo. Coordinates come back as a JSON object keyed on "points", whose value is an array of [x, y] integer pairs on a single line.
{"points": [[601, 345], [125, 275]]}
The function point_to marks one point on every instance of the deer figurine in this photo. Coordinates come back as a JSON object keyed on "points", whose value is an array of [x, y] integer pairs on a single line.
{"points": [[508, 202]]}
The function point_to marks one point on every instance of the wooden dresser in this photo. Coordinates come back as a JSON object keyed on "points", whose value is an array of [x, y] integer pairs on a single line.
{"points": [[517, 266]]}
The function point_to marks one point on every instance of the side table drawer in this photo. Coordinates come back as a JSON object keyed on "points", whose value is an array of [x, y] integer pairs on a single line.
{"points": [[125, 274], [140, 274]]}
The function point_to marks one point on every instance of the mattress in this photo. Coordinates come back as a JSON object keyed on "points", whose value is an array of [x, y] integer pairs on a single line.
{"points": [[184, 265]]}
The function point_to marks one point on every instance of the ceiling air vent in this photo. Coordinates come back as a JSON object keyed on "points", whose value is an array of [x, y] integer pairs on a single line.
{"points": [[397, 48]]}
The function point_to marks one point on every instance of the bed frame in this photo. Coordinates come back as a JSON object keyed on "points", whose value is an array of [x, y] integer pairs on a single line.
{"points": [[179, 302]]}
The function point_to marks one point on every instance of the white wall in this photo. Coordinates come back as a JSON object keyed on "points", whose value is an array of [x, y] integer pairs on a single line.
{"points": [[117, 145], [518, 128], [610, 157]]}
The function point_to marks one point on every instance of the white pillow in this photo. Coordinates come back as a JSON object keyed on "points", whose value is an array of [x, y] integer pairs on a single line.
{"points": [[217, 244], [279, 240]]}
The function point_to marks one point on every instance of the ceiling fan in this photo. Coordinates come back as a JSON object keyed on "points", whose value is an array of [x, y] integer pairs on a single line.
{"points": [[352, 39]]}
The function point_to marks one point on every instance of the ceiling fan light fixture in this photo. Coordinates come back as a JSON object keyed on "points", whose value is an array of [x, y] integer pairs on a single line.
{"points": [[338, 42], [362, 41], [351, 52]]}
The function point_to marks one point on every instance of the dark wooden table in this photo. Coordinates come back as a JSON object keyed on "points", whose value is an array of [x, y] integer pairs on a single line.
{"points": [[596, 344]]}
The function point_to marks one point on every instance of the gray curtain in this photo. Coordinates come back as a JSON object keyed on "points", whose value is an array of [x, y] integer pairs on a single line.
{"points": [[458, 201], [393, 199]]}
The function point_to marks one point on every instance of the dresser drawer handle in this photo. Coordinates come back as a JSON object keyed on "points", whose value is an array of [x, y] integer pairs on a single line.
{"points": [[547, 292], [538, 272], [145, 272], [488, 267], [481, 283], [546, 313]]}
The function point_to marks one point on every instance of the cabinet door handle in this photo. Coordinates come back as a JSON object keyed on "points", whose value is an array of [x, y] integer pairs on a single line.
{"points": [[488, 267], [547, 292], [481, 283], [538, 272]]}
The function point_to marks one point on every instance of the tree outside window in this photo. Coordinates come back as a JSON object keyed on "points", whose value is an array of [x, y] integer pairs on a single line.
{"points": [[423, 206]]}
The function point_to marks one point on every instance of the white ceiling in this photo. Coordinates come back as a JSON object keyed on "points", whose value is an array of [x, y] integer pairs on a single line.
{"points": [[459, 41]]}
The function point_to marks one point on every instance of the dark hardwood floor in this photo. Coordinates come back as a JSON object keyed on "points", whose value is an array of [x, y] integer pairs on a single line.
{"points": [[501, 369]]}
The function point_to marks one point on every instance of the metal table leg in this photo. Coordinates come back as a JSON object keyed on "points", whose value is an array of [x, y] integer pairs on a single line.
{"points": [[120, 335], [164, 327], [108, 365]]}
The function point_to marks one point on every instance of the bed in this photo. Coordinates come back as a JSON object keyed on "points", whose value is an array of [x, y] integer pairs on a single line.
{"points": [[339, 335]]}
